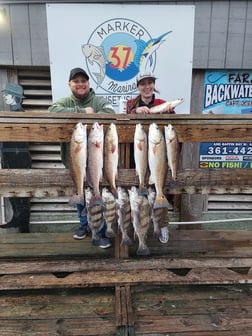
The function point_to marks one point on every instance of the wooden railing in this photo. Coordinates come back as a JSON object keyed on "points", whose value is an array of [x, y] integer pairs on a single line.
{"points": [[57, 127]]}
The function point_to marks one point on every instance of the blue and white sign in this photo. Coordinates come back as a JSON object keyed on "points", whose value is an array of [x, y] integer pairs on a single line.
{"points": [[227, 92], [114, 42]]}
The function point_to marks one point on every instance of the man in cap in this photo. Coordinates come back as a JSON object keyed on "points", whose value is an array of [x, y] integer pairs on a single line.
{"points": [[82, 100]]}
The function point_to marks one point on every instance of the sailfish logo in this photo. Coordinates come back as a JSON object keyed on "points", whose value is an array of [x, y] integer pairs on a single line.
{"points": [[144, 55]]}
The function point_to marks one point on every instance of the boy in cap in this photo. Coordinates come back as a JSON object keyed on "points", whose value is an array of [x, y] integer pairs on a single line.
{"points": [[146, 98]]}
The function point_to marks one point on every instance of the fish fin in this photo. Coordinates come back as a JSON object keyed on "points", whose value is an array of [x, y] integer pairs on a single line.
{"points": [[113, 149], [98, 144], [84, 212], [76, 199], [161, 202], [139, 146]]}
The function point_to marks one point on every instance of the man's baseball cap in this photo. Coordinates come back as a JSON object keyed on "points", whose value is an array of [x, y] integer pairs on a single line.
{"points": [[78, 71], [143, 75]]}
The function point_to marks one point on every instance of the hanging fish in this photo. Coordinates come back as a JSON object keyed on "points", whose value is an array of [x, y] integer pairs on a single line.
{"points": [[95, 160], [141, 157], [172, 149], [109, 212], [94, 214], [159, 216], [163, 107], [111, 156], [157, 164], [123, 212], [78, 161], [140, 214]]}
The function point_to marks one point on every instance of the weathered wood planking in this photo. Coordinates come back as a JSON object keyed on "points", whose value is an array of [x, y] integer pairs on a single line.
{"points": [[57, 182], [58, 127]]}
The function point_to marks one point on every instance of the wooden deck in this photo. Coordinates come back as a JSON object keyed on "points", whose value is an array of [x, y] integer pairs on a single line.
{"points": [[198, 284]]}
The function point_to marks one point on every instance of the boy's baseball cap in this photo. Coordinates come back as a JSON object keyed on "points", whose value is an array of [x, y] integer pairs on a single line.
{"points": [[143, 75]]}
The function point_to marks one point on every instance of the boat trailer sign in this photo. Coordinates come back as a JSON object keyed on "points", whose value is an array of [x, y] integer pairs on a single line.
{"points": [[226, 155]]}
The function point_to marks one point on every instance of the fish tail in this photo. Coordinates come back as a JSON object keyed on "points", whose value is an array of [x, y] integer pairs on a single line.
{"points": [[96, 200], [143, 250], [109, 233], [143, 191], [126, 241], [161, 202], [76, 199]]}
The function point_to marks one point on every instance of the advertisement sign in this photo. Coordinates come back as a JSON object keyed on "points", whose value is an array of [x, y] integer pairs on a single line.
{"points": [[114, 42], [227, 92]]}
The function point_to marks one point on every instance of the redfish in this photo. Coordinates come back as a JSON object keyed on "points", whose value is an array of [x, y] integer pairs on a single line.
{"points": [[78, 161], [95, 160], [172, 149], [111, 157], [157, 164], [141, 157], [162, 107]]}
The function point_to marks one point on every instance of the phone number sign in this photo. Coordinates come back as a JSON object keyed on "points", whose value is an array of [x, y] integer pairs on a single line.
{"points": [[225, 155]]}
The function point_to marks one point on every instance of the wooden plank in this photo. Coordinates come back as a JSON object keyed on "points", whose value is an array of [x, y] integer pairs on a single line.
{"points": [[52, 182], [210, 310], [57, 127], [186, 249], [130, 278], [16, 266]]}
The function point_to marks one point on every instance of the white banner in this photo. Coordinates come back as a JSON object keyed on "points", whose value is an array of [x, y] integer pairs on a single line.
{"points": [[115, 42]]}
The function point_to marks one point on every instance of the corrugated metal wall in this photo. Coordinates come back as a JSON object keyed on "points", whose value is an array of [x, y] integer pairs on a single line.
{"points": [[222, 38]]}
